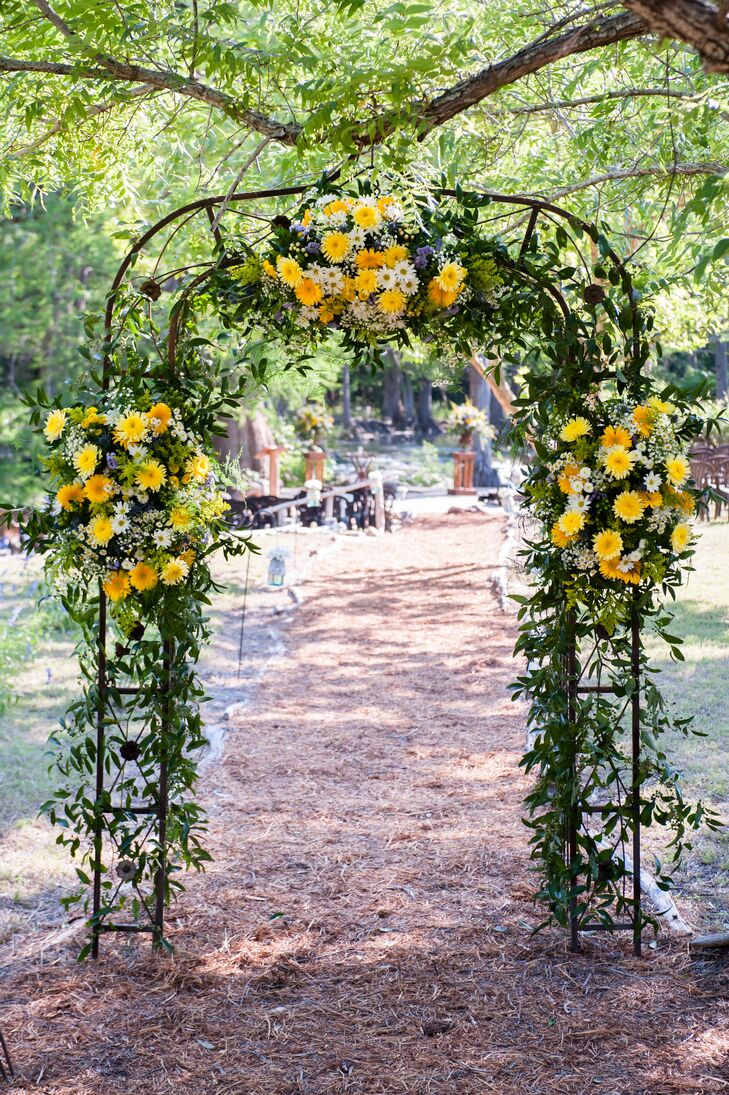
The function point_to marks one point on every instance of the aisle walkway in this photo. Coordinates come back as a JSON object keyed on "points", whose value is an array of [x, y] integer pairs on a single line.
{"points": [[365, 927]]}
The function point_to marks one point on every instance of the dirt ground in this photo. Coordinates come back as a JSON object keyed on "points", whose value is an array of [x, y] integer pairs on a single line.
{"points": [[365, 927]]}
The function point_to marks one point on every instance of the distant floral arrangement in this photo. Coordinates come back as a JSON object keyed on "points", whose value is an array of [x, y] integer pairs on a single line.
{"points": [[134, 496], [467, 418], [376, 266], [615, 503], [312, 423]]}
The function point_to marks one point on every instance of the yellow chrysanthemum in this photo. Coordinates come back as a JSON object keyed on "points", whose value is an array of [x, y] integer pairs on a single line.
{"points": [[150, 475], [643, 417], [628, 506], [391, 301], [607, 544], [116, 586], [198, 467], [680, 537], [574, 429], [92, 418], [326, 313], [660, 405], [442, 297], [269, 268], [101, 529], [686, 502], [98, 489], [175, 571], [569, 472], [632, 575], [335, 246], [308, 292], [349, 290], [306, 219], [180, 517], [571, 522], [451, 277], [336, 206], [395, 253], [384, 201], [366, 283], [143, 576], [369, 259], [188, 556], [70, 495], [559, 538], [159, 417], [366, 216], [609, 568], [289, 271], [618, 462], [85, 460], [612, 436], [130, 430], [677, 470], [651, 499], [55, 424]]}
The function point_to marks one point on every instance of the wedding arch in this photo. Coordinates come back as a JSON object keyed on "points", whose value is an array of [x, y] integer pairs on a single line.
{"points": [[520, 278]]}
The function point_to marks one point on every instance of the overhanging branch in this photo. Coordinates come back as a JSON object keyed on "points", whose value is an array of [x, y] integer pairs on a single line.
{"points": [[698, 23]]}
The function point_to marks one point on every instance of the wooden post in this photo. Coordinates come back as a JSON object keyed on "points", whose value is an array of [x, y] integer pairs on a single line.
{"points": [[463, 467], [315, 460], [273, 455]]}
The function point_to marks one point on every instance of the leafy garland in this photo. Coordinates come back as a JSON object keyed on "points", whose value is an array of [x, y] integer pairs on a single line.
{"points": [[369, 268]]}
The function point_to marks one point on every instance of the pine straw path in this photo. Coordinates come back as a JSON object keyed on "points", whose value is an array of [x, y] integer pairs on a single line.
{"points": [[364, 928]]}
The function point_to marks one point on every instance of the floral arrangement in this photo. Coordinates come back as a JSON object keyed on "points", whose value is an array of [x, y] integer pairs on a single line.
{"points": [[615, 502], [466, 418], [134, 496], [312, 422], [373, 265]]}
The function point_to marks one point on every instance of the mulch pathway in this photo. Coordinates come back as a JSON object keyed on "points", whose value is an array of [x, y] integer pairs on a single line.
{"points": [[365, 927]]}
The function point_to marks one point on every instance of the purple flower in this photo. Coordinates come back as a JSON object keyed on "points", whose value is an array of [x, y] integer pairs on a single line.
{"points": [[289, 306], [279, 316], [420, 261], [453, 310], [313, 248], [111, 461], [297, 226]]}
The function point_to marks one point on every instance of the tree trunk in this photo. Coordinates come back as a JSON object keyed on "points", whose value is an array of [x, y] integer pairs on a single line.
{"points": [[722, 368], [426, 423], [346, 398], [244, 439], [408, 399], [484, 473], [392, 408]]}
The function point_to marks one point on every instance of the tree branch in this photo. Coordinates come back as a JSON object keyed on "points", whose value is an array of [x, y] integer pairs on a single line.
{"points": [[619, 174], [431, 113], [602, 97], [698, 23]]}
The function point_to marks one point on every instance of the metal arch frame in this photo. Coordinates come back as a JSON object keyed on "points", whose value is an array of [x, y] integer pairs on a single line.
{"points": [[179, 217]]}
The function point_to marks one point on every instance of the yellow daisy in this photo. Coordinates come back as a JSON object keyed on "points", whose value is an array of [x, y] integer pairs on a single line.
{"points": [[643, 417], [180, 517], [366, 216], [451, 277], [442, 297], [55, 424], [607, 544], [159, 418], [680, 537], [98, 489], [70, 495], [116, 586], [391, 301], [559, 538], [618, 462], [366, 283], [611, 437], [569, 472], [198, 467], [571, 522], [289, 271], [326, 313], [369, 259], [335, 246], [609, 568], [175, 571], [632, 575], [677, 470], [130, 430], [143, 576], [336, 206], [269, 268], [628, 506], [395, 253], [574, 429], [150, 475], [101, 529], [660, 405], [85, 460], [308, 292], [92, 418]]}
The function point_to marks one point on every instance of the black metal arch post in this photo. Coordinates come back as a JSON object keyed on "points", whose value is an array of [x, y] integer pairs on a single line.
{"points": [[104, 805]]}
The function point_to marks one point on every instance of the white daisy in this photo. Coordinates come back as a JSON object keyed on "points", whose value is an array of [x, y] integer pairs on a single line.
{"points": [[387, 278], [402, 269], [409, 283], [652, 482], [162, 538], [120, 524], [393, 212], [357, 238], [128, 564], [578, 503]]}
